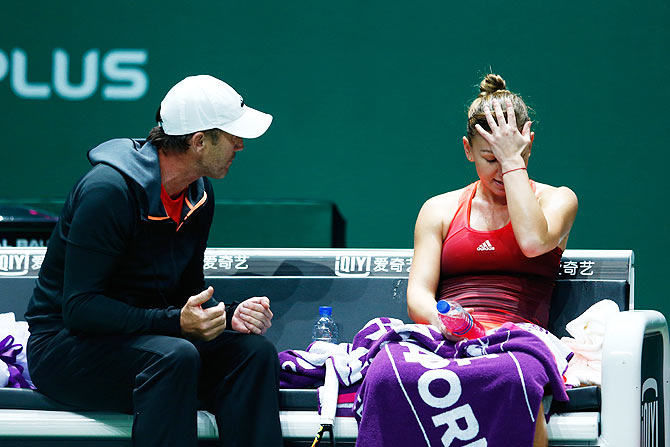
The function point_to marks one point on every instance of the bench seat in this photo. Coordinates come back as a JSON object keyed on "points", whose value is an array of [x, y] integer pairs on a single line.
{"points": [[24, 412], [581, 399], [18, 427]]}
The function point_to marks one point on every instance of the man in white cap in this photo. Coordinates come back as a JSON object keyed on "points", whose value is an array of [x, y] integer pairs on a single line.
{"points": [[121, 319]]}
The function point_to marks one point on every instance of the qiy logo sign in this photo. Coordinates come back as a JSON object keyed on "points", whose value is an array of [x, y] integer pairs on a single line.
{"points": [[13, 265], [124, 78], [355, 266]]}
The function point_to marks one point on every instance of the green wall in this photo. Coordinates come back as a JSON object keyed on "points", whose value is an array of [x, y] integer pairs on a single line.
{"points": [[369, 100]]}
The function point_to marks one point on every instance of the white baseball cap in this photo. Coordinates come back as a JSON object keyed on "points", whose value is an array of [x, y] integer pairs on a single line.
{"points": [[203, 102]]}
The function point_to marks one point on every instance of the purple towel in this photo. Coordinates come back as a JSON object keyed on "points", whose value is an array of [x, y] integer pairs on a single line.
{"points": [[419, 389], [9, 352], [13, 361]]}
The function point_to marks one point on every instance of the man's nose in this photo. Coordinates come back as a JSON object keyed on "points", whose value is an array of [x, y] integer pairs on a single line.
{"points": [[239, 145]]}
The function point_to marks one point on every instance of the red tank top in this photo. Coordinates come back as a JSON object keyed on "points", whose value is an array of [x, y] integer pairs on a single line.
{"points": [[487, 271]]}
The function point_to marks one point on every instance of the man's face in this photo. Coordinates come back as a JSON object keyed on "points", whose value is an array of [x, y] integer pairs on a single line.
{"points": [[219, 152]]}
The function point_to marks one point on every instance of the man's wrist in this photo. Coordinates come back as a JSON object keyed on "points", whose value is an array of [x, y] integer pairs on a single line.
{"points": [[167, 322]]}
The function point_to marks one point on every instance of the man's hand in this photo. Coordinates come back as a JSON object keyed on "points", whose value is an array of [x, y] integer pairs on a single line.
{"points": [[203, 324], [253, 316]]}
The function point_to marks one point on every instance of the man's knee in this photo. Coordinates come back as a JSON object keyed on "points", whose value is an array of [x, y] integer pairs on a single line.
{"points": [[261, 349], [182, 354], [263, 346]]}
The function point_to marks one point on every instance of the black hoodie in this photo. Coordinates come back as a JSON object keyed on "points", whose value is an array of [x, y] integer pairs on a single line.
{"points": [[116, 263]]}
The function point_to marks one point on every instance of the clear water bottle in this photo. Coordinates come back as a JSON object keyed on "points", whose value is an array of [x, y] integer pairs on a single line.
{"points": [[458, 321], [325, 328]]}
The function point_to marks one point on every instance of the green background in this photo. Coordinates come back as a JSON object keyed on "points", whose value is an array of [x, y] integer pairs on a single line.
{"points": [[369, 100]]}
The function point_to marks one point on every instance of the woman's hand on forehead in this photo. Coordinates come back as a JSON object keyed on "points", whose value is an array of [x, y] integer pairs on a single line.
{"points": [[507, 144]]}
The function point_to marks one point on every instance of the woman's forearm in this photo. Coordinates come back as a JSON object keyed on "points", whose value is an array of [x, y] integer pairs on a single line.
{"points": [[421, 306], [528, 220]]}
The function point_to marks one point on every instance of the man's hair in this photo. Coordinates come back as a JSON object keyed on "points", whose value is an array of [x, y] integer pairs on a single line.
{"points": [[175, 144]]}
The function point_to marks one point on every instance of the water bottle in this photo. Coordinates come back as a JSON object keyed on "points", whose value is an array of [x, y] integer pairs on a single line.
{"points": [[458, 321], [325, 328]]}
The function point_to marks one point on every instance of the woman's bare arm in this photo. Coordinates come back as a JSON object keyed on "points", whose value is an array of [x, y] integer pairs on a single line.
{"points": [[541, 222], [431, 226]]}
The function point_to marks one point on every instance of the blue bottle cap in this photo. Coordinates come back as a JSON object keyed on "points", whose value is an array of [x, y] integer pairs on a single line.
{"points": [[325, 310], [443, 306]]}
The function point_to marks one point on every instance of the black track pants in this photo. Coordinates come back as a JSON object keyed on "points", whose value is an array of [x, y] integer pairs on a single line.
{"points": [[164, 380]]}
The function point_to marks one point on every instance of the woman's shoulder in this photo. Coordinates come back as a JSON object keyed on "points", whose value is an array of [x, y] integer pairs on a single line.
{"points": [[439, 210], [555, 193], [445, 200]]}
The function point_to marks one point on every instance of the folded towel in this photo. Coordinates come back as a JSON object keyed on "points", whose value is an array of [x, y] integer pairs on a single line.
{"points": [[588, 333]]}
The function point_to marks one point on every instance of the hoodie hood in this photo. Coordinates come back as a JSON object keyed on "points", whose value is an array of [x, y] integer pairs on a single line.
{"points": [[138, 161]]}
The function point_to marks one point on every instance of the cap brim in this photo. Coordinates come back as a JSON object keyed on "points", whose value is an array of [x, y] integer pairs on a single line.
{"points": [[252, 124]]}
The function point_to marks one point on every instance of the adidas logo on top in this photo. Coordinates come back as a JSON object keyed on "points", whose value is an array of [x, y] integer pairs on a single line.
{"points": [[486, 246]]}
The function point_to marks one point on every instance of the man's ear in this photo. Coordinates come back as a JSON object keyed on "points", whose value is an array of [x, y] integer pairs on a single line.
{"points": [[468, 149], [198, 141]]}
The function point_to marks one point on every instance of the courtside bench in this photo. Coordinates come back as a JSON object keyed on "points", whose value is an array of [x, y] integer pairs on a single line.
{"points": [[628, 410]]}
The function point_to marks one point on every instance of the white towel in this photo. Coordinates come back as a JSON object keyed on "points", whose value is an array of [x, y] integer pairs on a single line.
{"points": [[328, 394], [588, 333]]}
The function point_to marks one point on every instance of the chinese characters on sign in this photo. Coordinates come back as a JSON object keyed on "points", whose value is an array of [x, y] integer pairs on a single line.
{"points": [[576, 268], [225, 262], [36, 262], [384, 264]]}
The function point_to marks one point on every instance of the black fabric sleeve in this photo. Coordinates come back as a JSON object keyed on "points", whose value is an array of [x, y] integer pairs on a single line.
{"points": [[103, 220], [86, 308]]}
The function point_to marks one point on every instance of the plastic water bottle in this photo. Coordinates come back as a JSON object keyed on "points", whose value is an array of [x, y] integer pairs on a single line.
{"points": [[325, 328], [458, 321]]}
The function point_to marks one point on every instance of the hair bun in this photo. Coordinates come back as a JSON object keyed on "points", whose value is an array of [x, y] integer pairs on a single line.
{"points": [[491, 83]]}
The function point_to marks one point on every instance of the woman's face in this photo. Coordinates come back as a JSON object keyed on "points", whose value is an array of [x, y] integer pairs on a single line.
{"points": [[488, 168]]}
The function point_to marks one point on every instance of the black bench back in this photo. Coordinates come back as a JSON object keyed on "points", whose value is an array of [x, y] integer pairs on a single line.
{"points": [[359, 284]]}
